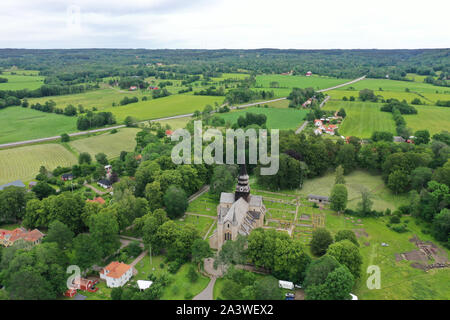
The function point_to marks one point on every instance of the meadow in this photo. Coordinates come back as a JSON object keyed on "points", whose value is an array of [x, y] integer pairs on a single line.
{"points": [[363, 118], [163, 107], [108, 143], [24, 162], [19, 82], [431, 118], [17, 124], [315, 82], [277, 118]]}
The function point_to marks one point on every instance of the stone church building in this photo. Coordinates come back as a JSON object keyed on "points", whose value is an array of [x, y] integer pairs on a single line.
{"points": [[237, 213]]}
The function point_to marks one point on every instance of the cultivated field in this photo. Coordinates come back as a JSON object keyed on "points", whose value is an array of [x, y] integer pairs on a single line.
{"points": [[431, 118], [110, 144], [394, 85], [363, 118], [24, 162], [17, 124], [277, 118]]}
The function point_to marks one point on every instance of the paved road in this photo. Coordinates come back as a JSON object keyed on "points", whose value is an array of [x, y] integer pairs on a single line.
{"points": [[303, 126], [14, 144], [207, 293]]}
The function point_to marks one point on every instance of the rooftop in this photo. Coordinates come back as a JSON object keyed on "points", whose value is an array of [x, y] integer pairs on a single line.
{"points": [[116, 269]]}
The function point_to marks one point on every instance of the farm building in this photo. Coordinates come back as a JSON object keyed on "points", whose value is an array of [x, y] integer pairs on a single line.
{"points": [[9, 237], [17, 183], [67, 177], [169, 133], [318, 199], [81, 284], [116, 274], [133, 88], [152, 88], [308, 74], [104, 183]]}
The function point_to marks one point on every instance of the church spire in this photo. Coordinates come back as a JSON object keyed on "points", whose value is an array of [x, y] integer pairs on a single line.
{"points": [[243, 186]]}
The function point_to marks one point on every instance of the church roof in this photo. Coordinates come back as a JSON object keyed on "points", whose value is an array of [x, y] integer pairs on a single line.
{"points": [[256, 201], [226, 197], [237, 212]]}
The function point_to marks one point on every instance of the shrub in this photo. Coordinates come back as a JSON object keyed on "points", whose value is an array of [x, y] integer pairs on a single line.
{"points": [[174, 266]]}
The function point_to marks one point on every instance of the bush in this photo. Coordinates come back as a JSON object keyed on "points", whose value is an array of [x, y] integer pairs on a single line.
{"points": [[394, 219], [400, 229], [174, 266], [162, 265], [188, 296]]}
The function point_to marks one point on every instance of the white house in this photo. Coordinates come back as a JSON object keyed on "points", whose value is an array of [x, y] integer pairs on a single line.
{"points": [[144, 284], [286, 284], [116, 274]]}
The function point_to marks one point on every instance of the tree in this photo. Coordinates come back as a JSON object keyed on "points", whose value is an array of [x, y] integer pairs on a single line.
{"points": [[65, 137], [338, 198], [346, 235], [222, 180], [422, 137], [441, 227], [86, 252], [192, 275], [420, 177], [105, 231], [267, 289], [398, 181], [337, 286], [130, 122], [42, 190], [339, 175], [382, 136], [176, 202], [61, 234], [347, 157], [200, 250], [101, 158], [319, 269], [347, 254], [321, 239], [13, 202], [84, 157], [364, 207]]}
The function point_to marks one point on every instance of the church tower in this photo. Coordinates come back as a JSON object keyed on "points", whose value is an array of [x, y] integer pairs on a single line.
{"points": [[243, 186]]}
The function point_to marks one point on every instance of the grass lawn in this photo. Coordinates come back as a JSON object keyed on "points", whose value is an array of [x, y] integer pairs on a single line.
{"points": [[19, 82], [315, 82], [382, 197], [202, 224], [206, 204], [174, 124], [398, 279], [362, 118], [277, 118], [163, 107], [180, 284], [110, 144], [17, 124], [24, 162]]}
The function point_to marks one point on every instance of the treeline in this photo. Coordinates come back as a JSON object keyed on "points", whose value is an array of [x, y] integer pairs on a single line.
{"points": [[299, 96], [95, 120], [243, 95], [211, 91]]}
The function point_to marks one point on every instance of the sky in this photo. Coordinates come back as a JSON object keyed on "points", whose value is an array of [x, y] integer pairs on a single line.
{"points": [[230, 24]]}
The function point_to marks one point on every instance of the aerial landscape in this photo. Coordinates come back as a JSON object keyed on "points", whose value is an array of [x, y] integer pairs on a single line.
{"points": [[96, 203]]}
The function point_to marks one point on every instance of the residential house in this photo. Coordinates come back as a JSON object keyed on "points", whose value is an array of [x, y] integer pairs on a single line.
{"points": [[116, 274], [169, 133], [99, 200], [133, 88], [104, 183], [308, 74], [9, 237], [67, 177]]}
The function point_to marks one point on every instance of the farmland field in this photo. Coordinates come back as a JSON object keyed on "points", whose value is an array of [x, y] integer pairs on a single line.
{"points": [[24, 162], [394, 85], [431, 118], [363, 118], [17, 123], [110, 144], [315, 82], [163, 107], [19, 82], [277, 118]]}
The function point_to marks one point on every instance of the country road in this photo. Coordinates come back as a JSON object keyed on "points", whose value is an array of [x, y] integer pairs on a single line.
{"points": [[19, 143]]}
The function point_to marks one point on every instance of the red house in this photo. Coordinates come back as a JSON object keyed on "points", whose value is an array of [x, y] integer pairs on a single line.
{"points": [[133, 88], [169, 133]]}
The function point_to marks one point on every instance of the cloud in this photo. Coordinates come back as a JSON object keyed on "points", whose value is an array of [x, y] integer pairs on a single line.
{"points": [[223, 24]]}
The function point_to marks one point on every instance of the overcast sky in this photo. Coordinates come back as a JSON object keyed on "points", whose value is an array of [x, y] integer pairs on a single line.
{"points": [[215, 24]]}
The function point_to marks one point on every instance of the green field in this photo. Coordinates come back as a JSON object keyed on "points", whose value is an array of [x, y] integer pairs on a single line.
{"points": [[431, 118], [394, 85], [315, 82], [363, 118], [277, 118], [17, 124], [19, 82], [110, 144], [24, 162], [163, 107]]}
